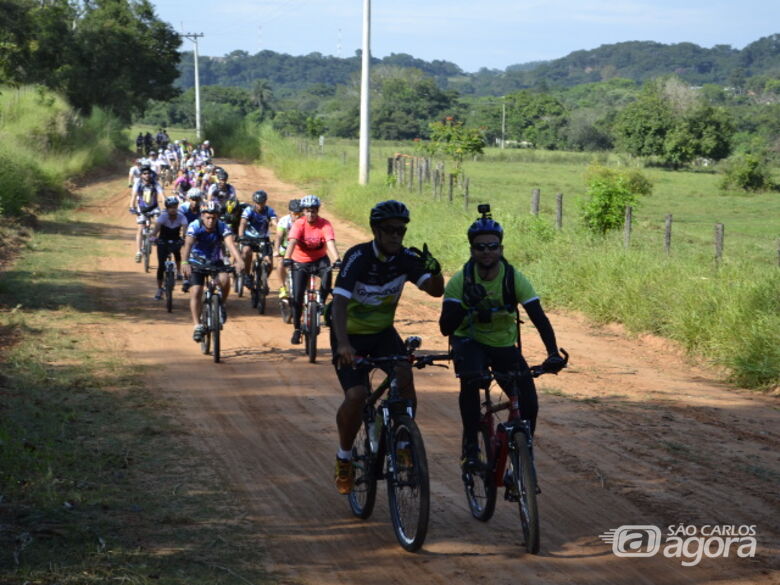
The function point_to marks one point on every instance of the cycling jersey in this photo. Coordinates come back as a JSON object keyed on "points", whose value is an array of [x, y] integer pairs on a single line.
{"points": [[208, 245], [147, 195], [283, 227], [182, 184], [501, 330], [257, 221], [170, 227], [310, 238], [222, 195], [373, 284], [189, 212]]}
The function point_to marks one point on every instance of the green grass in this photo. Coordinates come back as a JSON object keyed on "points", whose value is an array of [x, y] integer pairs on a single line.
{"points": [[97, 483], [728, 315]]}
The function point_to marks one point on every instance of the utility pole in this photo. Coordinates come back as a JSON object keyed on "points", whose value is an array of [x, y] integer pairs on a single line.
{"points": [[194, 38], [503, 124], [364, 96]]}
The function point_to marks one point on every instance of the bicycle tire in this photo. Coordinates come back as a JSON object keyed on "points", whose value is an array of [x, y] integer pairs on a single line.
{"points": [[525, 484], [311, 339], [363, 495], [254, 279], [480, 486], [216, 325], [205, 320], [262, 287], [146, 250], [408, 488], [238, 284], [170, 280]]}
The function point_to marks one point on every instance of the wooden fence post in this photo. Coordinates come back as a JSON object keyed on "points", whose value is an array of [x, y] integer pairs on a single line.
{"points": [[668, 235], [466, 194], [390, 166], [719, 235], [420, 176], [452, 186], [778, 253], [627, 227], [535, 195], [559, 211]]}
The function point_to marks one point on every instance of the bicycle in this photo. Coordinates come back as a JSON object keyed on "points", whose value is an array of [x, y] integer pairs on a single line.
{"points": [[312, 311], [212, 309], [258, 275], [146, 244], [284, 303], [169, 274], [511, 439], [389, 446]]}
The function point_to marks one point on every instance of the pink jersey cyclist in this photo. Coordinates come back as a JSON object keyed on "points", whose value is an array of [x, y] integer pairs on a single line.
{"points": [[310, 239]]}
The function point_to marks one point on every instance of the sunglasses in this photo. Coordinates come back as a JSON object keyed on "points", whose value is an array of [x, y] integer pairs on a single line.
{"points": [[492, 246], [389, 230]]}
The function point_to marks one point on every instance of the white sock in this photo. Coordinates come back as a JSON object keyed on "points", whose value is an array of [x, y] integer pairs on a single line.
{"points": [[344, 455]]}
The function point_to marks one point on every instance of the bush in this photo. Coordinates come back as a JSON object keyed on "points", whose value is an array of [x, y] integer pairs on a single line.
{"points": [[748, 172], [609, 192]]}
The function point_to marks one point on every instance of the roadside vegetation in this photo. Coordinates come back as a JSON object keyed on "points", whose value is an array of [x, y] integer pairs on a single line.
{"points": [[728, 315]]}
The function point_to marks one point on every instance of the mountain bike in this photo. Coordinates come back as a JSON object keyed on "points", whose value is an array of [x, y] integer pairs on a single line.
{"points": [[146, 232], [389, 446], [212, 311], [169, 273], [313, 305], [258, 275], [506, 457]]}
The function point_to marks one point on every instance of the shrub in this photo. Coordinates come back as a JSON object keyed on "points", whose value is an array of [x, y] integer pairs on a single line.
{"points": [[609, 192], [748, 172]]}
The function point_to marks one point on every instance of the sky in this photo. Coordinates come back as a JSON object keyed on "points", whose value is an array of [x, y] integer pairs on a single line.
{"points": [[473, 34]]}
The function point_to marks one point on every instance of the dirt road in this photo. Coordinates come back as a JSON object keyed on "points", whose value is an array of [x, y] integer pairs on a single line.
{"points": [[630, 434]]}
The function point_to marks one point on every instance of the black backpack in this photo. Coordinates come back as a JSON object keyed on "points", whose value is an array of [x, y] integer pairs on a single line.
{"points": [[508, 293]]}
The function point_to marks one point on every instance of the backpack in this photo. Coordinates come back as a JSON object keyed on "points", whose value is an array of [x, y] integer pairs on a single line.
{"points": [[508, 293]]}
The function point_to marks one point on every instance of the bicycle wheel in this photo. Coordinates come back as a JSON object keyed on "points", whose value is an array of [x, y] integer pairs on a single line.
{"points": [[363, 495], [480, 485], [408, 489], [238, 284], [205, 319], [254, 278], [311, 339], [170, 281], [146, 248], [524, 478], [262, 287], [216, 325]]}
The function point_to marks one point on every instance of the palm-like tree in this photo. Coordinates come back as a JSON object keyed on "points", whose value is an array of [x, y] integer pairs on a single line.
{"points": [[263, 95]]}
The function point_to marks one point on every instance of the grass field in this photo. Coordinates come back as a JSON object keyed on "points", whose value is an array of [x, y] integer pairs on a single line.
{"points": [[728, 314]]}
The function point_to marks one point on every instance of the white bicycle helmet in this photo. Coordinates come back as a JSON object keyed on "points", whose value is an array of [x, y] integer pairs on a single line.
{"points": [[310, 201]]}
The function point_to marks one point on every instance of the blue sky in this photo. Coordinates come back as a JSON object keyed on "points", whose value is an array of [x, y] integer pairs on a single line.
{"points": [[473, 34]]}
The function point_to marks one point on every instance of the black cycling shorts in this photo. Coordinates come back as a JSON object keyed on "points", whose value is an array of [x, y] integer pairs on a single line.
{"points": [[198, 278], [384, 343]]}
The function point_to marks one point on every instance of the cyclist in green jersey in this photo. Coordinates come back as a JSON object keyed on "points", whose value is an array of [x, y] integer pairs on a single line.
{"points": [[365, 298], [483, 325]]}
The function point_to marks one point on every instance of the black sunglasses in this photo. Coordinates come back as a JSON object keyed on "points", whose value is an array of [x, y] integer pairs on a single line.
{"points": [[389, 230], [492, 246]]}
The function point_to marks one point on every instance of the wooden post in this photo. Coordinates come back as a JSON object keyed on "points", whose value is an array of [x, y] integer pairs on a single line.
{"points": [[535, 196], [627, 227], [343, 157], [420, 176], [559, 211], [719, 234], [452, 186], [411, 174], [466, 194], [668, 235], [390, 166], [778, 252]]}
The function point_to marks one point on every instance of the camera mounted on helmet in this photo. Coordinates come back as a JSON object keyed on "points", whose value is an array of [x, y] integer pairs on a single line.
{"points": [[485, 225]]}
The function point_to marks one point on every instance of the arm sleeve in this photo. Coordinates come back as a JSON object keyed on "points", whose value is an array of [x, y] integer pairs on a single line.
{"points": [[452, 314], [539, 318]]}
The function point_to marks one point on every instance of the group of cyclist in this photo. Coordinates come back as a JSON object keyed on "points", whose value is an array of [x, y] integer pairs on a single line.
{"points": [[479, 311]]}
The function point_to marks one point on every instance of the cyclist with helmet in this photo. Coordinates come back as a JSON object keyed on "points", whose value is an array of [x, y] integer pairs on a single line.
{"points": [[168, 231], [203, 245], [135, 173], [365, 299], [481, 317], [182, 184], [222, 191], [311, 248], [144, 202], [282, 232], [191, 209], [256, 220]]}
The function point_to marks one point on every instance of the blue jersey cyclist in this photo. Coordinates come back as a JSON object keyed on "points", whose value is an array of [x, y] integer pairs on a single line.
{"points": [[203, 247], [253, 230], [365, 298], [144, 202], [191, 209]]}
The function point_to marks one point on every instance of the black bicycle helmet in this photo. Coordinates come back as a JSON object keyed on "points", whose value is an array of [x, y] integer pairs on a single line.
{"points": [[259, 196], [485, 225], [222, 175], [390, 209], [171, 201], [294, 205]]}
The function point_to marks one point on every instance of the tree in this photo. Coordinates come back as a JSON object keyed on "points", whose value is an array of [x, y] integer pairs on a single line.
{"points": [[536, 117], [609, 192], [456, 141], [262, 94]]}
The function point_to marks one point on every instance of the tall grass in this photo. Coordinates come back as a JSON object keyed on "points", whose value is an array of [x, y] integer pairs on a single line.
{"points": [[43, 142], [728, 315]]}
